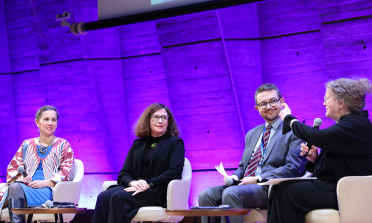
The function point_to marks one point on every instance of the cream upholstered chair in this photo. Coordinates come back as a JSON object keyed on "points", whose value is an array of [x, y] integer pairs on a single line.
{"points": [[354, 201], [177, 198], [260, 215], [68, 191], [354, 196]]}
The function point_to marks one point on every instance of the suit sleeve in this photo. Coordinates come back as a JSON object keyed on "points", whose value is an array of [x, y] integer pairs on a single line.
{"points": [[175, 167], [294, 162]]}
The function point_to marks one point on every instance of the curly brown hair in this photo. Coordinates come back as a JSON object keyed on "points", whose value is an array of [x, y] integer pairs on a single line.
{"points": [[351, 92], [142, 126]]}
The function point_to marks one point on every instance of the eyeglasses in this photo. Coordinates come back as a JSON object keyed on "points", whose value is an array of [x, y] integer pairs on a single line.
{"points": [[156, 118], [272, 103], [326, 99]]}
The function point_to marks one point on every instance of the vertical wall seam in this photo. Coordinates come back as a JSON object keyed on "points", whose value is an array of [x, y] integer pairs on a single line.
{"points": [[102, 121], [259, 46], [128, 129], [230, 75]]}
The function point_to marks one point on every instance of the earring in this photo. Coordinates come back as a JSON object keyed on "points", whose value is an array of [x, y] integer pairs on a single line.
{"points": [[38, 130]]}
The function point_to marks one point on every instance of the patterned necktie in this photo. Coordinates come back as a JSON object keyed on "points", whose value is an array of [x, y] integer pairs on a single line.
{"points": [[255, 159]]}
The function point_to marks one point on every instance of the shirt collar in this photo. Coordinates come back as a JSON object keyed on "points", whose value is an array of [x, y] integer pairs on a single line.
{"points": [[362, 113], [275, 125]]}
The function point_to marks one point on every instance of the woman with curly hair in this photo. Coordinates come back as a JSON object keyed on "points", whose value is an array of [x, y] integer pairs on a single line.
{"points": [[154, 159]]}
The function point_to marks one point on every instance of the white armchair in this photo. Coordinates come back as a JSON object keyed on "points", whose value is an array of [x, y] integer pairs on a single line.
{"points": [[354, 196], [177, 198], [63, 191], [354, 201]]}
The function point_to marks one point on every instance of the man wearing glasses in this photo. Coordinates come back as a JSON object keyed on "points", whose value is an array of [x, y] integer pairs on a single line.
{"points": [[267, 154]]}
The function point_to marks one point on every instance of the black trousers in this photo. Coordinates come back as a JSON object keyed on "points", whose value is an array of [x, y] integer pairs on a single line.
{"points": [[292, 200], [119, 206]]}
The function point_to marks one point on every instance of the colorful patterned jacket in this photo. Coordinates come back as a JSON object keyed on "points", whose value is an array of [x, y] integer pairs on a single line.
{"points": [[58, 165]]}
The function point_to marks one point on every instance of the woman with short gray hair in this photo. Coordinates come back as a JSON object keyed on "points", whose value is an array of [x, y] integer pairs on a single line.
{"points": [[352, 92], [346, 150]]}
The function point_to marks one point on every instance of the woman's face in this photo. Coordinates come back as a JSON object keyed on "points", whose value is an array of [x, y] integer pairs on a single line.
{"points": [[159, 126], [47, 123], [332, 106]]}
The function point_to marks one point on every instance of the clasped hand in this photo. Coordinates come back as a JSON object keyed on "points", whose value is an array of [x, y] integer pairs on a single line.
{"points": [[137, 187], [244, 181], [33, 184], [313, 152]]}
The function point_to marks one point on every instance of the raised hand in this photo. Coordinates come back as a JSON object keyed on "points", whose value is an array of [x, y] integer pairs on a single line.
{"points": [[285, 111]]}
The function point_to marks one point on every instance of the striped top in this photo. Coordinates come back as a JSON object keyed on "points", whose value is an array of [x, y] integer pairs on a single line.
{"points": [[58, 165]]}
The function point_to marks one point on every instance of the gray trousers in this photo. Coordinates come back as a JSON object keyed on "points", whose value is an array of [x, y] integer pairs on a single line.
{"points": [[240, 196]]}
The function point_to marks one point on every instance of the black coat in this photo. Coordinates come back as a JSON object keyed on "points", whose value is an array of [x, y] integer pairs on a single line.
{"points": [[346, 147], [166, 165]]}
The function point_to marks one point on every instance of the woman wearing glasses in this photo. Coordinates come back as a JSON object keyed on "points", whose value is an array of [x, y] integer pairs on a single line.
{"points": [[346, 150], [155, 158]]}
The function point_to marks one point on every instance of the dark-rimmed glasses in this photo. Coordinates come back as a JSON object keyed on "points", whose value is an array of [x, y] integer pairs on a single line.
{"points": [[157, 118], [272, 103]]}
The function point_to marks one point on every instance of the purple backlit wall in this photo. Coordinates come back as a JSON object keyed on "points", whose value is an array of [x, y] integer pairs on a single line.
{"points": [[205, 67]]}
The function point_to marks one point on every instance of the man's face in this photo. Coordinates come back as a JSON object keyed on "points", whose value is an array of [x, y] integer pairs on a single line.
{"points": [[271, 112]]}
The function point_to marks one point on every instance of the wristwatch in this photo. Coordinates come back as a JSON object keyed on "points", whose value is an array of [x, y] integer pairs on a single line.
{"points": [[149, 182]]}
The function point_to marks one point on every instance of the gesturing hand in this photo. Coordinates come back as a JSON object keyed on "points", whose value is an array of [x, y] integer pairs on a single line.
{"points": [[285, 111]]}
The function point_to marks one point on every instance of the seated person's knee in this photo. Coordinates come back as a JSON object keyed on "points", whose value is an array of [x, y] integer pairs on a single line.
{"points": [[15, 190]]}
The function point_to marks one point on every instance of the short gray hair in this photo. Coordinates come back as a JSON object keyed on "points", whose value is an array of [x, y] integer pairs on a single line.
{"points": [[351, 92]]}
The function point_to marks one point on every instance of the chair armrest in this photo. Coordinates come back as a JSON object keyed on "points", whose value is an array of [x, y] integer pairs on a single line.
{"points": [[354, 198], [106, 184], [67, 191], [2, 185], [178, 194]]}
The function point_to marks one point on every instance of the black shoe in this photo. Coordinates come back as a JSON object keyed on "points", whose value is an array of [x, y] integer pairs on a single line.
{"points": [[16, 203]]}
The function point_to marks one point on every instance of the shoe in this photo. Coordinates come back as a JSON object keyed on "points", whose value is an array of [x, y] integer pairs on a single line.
{"points": [[16, 203]]}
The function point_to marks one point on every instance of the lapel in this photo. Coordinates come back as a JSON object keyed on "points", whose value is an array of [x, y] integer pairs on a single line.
{"points": [[252, 143], [157, 149], [140, 152], [273, 140]]}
